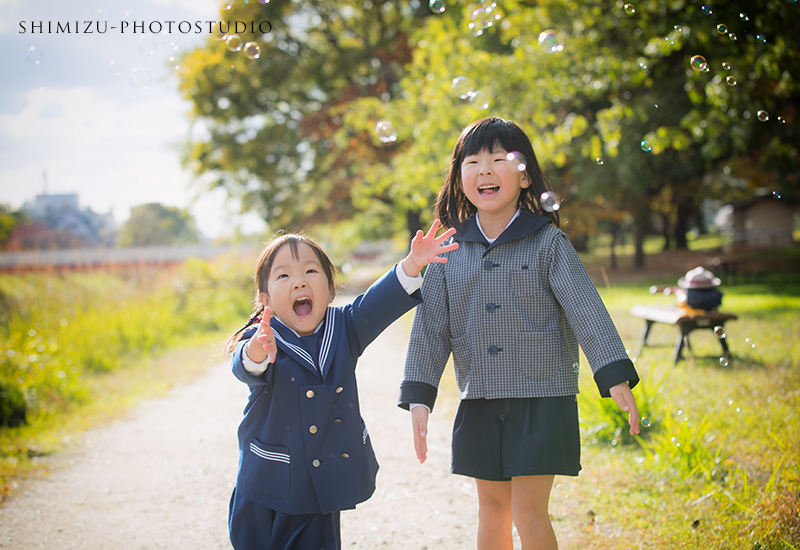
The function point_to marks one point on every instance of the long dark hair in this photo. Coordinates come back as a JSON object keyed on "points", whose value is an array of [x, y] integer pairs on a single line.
{"points": [[452, 205], [264, 266]]}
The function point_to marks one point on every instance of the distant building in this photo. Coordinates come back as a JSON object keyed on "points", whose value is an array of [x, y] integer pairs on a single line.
{"points": [[57, 221], [761, 221]]}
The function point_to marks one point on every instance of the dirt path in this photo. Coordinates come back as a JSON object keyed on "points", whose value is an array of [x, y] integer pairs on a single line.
{"points": [[161, 478]]}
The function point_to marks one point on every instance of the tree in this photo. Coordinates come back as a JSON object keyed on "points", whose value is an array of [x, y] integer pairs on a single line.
{"points": [[154, 224], [9, 219]]}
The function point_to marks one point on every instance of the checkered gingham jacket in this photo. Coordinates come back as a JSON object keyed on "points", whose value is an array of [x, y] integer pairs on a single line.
{"points": [[513, 314]]}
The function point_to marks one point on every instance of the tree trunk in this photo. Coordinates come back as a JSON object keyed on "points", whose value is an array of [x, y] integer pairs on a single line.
{"points": [[613, 256], [641, 225], [685, 210], [666, 232], [413, 224]]}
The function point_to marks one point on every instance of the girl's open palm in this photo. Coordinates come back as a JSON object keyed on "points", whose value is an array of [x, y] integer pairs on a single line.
{"points": [[426, 248], [266, 347]]}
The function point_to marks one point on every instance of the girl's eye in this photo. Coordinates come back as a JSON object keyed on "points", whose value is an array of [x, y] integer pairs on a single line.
{"points": [[282, 276], [312, 270]]}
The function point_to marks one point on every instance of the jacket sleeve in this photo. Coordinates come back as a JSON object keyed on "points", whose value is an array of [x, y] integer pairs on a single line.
{"points": [[429, 343], [237, 366], [377, 308], [588, 317]]}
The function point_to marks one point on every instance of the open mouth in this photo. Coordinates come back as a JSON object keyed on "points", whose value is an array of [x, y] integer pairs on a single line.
{"points": [[302, 307], [489, 189]]}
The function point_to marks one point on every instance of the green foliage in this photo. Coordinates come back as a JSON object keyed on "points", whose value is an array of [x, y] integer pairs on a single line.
{"points": [[154, 224]]}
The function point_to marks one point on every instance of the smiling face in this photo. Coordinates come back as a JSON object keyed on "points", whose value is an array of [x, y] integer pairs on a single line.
{"points": [[298, 290], [492, 183]]}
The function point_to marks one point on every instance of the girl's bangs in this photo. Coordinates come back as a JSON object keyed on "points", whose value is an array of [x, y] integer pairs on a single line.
{"points": [[486, 135]]}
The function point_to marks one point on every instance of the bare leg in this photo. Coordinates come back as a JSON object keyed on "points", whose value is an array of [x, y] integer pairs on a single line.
{"points": [[530, 498], [494, 515]]}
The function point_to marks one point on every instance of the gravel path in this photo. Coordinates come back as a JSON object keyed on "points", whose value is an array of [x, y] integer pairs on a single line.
{"points": [[162, 477]]}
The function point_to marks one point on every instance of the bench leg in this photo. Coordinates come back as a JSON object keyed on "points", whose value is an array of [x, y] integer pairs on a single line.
{"points": [[678, 355]]}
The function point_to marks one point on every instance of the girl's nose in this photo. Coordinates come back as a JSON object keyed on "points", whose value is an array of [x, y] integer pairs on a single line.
{"points": [[486, 169], [299, 283]]}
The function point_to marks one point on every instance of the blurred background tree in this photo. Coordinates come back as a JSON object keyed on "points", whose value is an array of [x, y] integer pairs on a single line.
{"points": [[9, 219], [154, 224], [637, 112]]}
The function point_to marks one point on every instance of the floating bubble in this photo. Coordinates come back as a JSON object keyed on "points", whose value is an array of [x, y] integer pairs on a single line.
{"points": [[630, 9], [599, 161], [548, 41], [646, 422], [147, 44], [139, 78], [462, 87], [436, 6], [217, 32], [762, 115], [34, 55], [750, 341], [385, 131], [114, 68], [719, 332], [731, 80], [481, 102], [252, 50], [761, 38], [549, 201], [642, 63], [233, 42], [726, 65], [517, 159], [699, 63], [226, 6], [707, 10], [776, 194], [781, 120], [743, 17], [732, 36], [722, 29], [646, 147]]}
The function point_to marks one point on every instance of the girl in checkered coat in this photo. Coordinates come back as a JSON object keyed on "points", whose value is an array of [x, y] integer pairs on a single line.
{"points": [[304, 450], [512, 305]]}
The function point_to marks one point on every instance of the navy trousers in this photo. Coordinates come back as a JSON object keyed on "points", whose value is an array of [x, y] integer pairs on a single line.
{"points": [[254, 527]]}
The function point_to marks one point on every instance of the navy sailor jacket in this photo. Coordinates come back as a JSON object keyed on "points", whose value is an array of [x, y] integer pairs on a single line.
{"points": [[303, 446]]}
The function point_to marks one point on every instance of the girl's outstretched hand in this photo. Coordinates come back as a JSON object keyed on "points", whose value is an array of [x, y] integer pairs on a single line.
{"points": [[426, 248], [419, 425], [267, 349], [622, 394]]}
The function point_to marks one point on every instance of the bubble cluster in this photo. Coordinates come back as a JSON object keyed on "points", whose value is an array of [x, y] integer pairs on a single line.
{"points": [[385, 131], [517, 159], [699, 63], [436, 6], [549, 201], [548, 41]]}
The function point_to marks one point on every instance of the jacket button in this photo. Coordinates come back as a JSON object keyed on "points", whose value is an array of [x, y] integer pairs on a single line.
{"points": [[488, 265], [310, 394], [339, 389], [494, 350], [337, 421], [312, 429], [315, 463], [345, 455], [576, 367], [491, 307]]}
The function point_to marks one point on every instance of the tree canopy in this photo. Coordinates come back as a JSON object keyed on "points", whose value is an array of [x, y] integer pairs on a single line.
{"points": [[154, 224], [634, 109]]}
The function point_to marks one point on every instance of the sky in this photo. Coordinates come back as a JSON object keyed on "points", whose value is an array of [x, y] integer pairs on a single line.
{"points": [[100, 115]]}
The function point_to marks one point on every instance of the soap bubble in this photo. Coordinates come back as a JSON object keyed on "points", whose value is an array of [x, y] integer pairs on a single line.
{"points": [[436, 6], [719, 332], [646, 422], [707, 10], [722, 29], [234, 42], [114, 68], [743, 17], [549, 201], [252, 50], [483, 18], [726, 65], [699, 63], [776, 194], [723, 361], [462, 87], [481, 102], [731, 80], [763, 116], [732, 36], [630, 9], [386, 132], [217, 33], [599, 161], [34, 55], [761, 38], [147, 44], [517, 159], [781, 120], [139, 78], [548, 41], [646, 147]]}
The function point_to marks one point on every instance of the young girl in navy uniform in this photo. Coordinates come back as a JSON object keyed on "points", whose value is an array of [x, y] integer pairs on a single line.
{"points": [[512, 306], [304, 450]]}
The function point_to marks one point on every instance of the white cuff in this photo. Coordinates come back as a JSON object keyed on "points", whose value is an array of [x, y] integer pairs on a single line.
{"points": [[412, 406], [409, 284], [251, 366]]}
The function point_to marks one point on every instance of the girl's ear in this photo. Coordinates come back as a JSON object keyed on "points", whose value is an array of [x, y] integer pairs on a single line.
{"points": [[526, 180], [263, 297]]}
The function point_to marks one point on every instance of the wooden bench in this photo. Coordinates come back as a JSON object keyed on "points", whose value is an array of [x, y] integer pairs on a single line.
{"points": [[686, 321]]}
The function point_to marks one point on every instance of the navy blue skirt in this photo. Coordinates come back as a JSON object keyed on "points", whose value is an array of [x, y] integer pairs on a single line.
{"points": [[497, 439], [254, 527]]}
